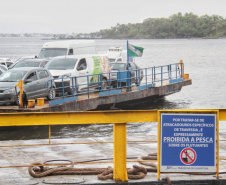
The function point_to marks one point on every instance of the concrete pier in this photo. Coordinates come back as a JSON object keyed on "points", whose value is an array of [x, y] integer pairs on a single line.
{"points": [[89, 149]]}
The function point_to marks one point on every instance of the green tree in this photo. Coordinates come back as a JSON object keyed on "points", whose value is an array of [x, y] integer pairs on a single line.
{"points": [[176, 26]]}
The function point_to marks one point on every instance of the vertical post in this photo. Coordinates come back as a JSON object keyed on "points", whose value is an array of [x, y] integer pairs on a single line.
{"points": [[49, 134], [76, 86], [119, 79], [120, 172], [63, 87], [20, 85], [128, 77], [137, 76], [99, 85], [182, 69], [73, 86], [159, 150], [128, 81], [127, 55], [109, 81], [100, 77], [21, 93], [218, 146], [88, 84], [169, 71]]}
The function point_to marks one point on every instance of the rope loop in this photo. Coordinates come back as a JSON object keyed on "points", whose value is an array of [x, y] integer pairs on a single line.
{"points": [[38, 170]]}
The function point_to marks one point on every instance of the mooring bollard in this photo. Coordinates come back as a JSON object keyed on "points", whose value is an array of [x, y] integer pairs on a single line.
{"points": [[31, 104], [40, 101]]}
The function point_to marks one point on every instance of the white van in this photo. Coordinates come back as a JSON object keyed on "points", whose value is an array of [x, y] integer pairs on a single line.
{"points": [[117, 54], [68, 47], [79, 66]]}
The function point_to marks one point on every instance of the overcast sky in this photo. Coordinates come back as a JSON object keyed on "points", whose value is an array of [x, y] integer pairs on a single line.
{"points": [[85, 16]]}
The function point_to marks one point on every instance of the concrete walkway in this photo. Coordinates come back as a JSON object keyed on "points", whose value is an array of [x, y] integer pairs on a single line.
{"points": [[25, 155]]}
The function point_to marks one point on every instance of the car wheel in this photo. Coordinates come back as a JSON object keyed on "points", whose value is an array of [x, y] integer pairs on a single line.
{"points": [[24, 99], [18, 99], [70, 91], [104, 84], [114, 84], [51, 94], [137, 82]]}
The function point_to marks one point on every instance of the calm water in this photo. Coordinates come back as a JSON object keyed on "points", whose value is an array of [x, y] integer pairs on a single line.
{"points": [[204, 59]]}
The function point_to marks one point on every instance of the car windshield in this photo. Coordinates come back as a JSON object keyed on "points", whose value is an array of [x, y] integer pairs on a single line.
{"points": [[52, 52], [61, 64], [2, 63], [26, 64], [112, 59], [12, 76], [117, 66], [21, 59]]}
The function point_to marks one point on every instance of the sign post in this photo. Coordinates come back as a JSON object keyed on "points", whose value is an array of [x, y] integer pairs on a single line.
{"points": [[187, 142]]}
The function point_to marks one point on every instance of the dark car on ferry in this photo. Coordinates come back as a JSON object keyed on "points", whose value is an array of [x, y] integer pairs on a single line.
{"points": [[36, 84], [135, 71], [30, 63]]}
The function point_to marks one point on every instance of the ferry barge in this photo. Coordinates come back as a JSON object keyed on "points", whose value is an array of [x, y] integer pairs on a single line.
{"points": [[156, 83]]}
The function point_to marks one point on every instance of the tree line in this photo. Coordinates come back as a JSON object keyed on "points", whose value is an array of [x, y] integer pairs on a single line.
{"points": [[188, 25]]}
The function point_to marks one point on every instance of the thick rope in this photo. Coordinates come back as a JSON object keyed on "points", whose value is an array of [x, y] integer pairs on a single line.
{"points": [[37, 170], [142, 159], [168, 180], [137, 172], [107, 174], [40, 171]]}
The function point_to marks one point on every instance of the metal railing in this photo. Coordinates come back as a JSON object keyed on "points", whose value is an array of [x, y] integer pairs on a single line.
{"points": [[109, 81], [119, 119]]}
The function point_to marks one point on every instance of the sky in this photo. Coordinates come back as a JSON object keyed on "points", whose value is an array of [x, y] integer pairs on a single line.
{"points": [[86, 16]]}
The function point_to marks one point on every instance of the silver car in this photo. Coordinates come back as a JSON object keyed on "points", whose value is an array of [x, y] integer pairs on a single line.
{"points": [[136, 73], [29, 63], [37, 84], [6, 62]]}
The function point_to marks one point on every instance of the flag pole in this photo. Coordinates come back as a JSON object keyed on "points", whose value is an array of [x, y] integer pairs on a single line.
{"points": [[127, 55], [128, 80]]}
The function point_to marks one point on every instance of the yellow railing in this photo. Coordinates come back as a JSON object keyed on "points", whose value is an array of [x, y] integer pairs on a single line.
{"points": [[118, 118]]}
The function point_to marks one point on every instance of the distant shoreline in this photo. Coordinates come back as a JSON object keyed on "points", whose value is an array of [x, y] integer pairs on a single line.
{"points": [[50, 38]]}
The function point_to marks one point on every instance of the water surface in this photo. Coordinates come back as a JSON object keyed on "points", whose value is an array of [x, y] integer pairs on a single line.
{"points": [[204, 59]]}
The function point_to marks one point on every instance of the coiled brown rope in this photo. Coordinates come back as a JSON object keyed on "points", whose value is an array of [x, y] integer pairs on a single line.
{"points": [[168, 180], [142, 159], [107, 174], [37, 170], [137, 172]]}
